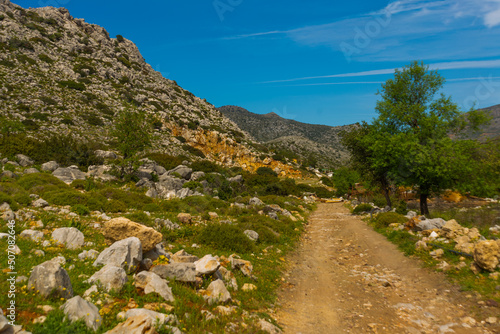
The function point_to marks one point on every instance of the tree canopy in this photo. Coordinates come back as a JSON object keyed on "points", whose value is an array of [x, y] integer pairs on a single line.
{"points": [[409, 142]]}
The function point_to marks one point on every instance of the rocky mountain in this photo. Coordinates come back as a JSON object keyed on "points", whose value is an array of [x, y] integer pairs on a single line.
{"points": [[307, 141], [490, 130], [61, 75]]}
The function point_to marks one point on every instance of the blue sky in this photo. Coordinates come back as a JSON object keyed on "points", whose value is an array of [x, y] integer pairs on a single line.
{"points": [[319, 62]]}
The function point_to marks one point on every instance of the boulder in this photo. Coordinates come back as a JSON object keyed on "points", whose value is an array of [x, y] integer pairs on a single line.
{"points": [[430, 224], [126, 253], [207, 265], [8, 173], [237, 179], [109, 278], [69, 174], [106, 154], [183, 257], [244, 266], [49, 278], [156, 317], [50, 166], [184, 218], [4, 207], [156, 252], [268, 327], [216, 293], [70, 237], [40, 203], [78, 308], [24, 161], [184, 171], [91, 254], [196, 176], [183, 193], [121, 228], [452, 229], [5, 327], [255, 201], [139, 324], [168, 183], [183, 272], [487, 254], [31, 170], [151, 282], [8, 215], [101, 172], [32, 234], [273, 215], [228, 278], [252, 235]]}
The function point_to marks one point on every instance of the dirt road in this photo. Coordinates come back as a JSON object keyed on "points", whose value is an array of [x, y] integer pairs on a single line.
{"points": [[346, 278]]}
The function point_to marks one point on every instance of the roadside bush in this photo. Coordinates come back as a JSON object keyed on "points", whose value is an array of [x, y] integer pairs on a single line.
{"points": [[387, 218], [225, 237], [80, 209], [364, 207]]}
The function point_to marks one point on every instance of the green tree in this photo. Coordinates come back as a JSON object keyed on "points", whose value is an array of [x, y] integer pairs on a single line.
{"points": [[414, 125], [344, 180], [132, 133]]}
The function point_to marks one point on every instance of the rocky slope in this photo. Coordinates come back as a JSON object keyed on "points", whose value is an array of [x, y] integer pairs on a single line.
{"points": [[491, 130], [62, 75], [319, 142]]}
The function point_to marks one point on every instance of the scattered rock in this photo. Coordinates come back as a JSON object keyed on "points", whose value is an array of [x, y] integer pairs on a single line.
{"points": [[70, 237], [184, 218], [252, 235], [486, 254], [78, 308], [31, 170], [50, 166], [207, 265], [184, 171], [244, 266], [183, 272], [106, 154], [140, 324], [437, 253], [40, 203], [430, 224], [24, 161], [182, 257], [90, 254], [32, 234], [69, 174], [216, 292], [268, 327], [110, 277], [156, 252], [248, 287], [126, 253], [121, 228], [151, 282], [49, 278], [255, 201]]}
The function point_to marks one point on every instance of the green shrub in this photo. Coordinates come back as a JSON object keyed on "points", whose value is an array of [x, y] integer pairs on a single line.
{"points": [[387, 218], [16, 43], [193, 150], [266, 171], [139, 217], [364, 207], [39, 180], [131, 199], [93, 119], [80, 209], [207, 166], [167, 161], [124, 61], [7, 63], [193, 185], [45, 58], [72, 85], [181, 139], [225, 237], [120, 38], [4, 198], [25, 59], [151, 207], [327, 181], [114, 206]]}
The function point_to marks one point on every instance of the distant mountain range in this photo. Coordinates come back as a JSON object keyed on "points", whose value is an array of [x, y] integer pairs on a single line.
{"points": [[318, 142], [307, 141]]}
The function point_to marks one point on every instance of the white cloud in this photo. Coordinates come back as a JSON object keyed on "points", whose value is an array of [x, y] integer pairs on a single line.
{"points": [[408, 29], [471, 64]]}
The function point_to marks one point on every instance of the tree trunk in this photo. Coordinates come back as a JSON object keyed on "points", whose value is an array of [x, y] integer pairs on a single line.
{"points": [[424, 209], [385, 189]]}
